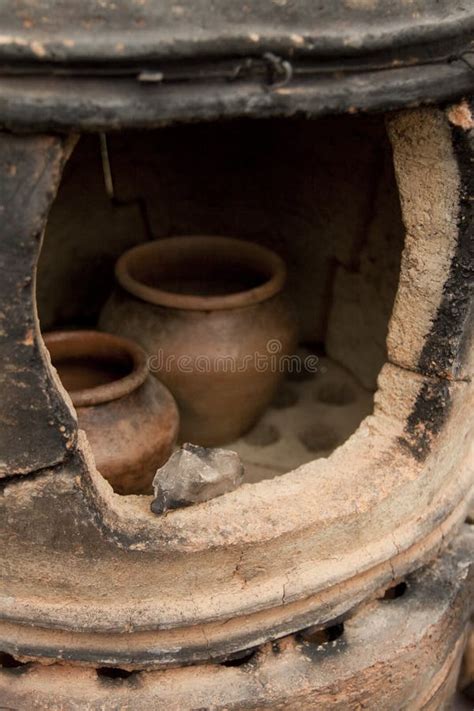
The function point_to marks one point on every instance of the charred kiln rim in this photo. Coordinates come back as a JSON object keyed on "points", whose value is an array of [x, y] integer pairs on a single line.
{"points": [[238, 253], [104, 346]]}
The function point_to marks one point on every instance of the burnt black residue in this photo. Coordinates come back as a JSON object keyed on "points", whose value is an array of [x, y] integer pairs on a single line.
{"points": [[444, 348], [431, 409], [442, 353], [163, 503]]}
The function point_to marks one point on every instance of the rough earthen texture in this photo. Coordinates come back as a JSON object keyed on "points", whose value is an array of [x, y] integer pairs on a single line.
{"points": [[231, 573], [37, 426], [401, 653], [432, 316], [399, 510]]}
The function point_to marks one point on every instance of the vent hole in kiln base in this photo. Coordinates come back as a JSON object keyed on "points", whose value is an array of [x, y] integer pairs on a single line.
{"points": [[323, 635], [277, 183], [115, 675], [395, 591], [7, 661], [240, 659]]}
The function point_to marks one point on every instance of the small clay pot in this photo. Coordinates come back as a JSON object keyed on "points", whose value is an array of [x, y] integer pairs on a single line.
{"points": [[211, 313], [131, 419]]}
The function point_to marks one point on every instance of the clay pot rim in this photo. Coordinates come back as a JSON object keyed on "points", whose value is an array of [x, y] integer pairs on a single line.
{"points": [[98, 343], [261, 256]]}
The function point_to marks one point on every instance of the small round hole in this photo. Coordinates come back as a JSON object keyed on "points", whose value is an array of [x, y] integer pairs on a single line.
{"points": [[335, 394], [113, 673], [323, 635], [262, 435], [395, 591], [319, 438], [276, 646], [240, 659], [285, 397], [9, 662]]}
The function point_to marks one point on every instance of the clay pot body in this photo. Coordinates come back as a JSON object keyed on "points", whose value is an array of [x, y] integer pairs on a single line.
{"points": [[130, 418], [211, 314]]}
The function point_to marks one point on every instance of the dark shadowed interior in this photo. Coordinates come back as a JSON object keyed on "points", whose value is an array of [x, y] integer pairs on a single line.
{"points": [[321, 193]]}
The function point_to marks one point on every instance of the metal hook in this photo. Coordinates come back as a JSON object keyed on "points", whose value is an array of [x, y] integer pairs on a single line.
{"points": [[280, 68]]}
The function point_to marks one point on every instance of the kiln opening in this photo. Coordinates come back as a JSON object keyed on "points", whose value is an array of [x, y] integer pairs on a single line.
{"points": [[318, 196]]}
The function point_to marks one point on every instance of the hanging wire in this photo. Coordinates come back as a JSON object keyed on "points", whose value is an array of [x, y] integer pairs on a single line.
{"points": [[110, 188], [108, 178]]}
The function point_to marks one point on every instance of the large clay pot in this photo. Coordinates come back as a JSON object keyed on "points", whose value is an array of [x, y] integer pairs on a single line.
{"points": [[211, 313], [131, 420]]}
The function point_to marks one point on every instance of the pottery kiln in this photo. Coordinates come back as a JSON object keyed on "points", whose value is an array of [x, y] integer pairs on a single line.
{"points": [[94, 579]]}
